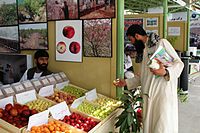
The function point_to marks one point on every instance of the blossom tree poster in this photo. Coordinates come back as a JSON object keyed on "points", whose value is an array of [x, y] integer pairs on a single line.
{"points": [[97, 38], [69, 40]]}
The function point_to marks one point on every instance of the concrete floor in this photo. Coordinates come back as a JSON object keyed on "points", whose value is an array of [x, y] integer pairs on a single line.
{"points": [[189, 113]]}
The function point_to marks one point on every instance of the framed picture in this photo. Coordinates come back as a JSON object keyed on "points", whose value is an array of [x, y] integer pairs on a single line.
{"points": [[69, 40], [195, 32], [62, 9], [151, 22], [128, 22], [91, 9], [98, 38], [8, 12], [9, 39], [31, 11], [33, 36]]}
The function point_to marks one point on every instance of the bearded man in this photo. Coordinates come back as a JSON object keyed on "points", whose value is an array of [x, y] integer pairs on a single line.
{"points": [[41, 60]]}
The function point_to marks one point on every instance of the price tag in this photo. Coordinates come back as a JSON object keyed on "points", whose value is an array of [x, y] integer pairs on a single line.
{"points": [[27, 84], [19, 88], [9, 90], [25, 97], [38, 119], [45, 81], [62, 74], [5, 101], [77, 102], [51, 80], [46, 91], [62, 85], [37, 83], [59, 111], [91, 95], [58, 77]]}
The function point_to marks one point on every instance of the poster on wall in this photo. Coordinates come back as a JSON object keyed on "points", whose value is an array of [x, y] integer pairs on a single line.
{"points": [[174, 31], [33, 36], [151, 22], [195, 31], [69, 40], [8, 12], [9, 40], [62, 9], [128, 22], [98, 38], [90, 9], [30, 11]]}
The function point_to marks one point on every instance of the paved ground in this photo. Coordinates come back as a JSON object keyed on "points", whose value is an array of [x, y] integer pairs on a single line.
{"points": [[189, 113]]}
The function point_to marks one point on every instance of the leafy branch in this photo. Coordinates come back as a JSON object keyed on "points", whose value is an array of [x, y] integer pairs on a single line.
{"points": [[130, 120]]}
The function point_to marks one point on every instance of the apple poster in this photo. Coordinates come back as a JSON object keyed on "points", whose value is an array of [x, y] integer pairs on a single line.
{"points": [[69, 40]]}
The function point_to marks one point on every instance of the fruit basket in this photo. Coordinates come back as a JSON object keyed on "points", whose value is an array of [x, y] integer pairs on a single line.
{"points": [[74, 90]]}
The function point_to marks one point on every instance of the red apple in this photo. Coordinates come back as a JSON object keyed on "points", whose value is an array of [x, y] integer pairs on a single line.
{"points": [[13, 112], [25, 107], [68, 31], [34, 111], [8, 107], [26, 113], [1, 114], [1, 110], [61, 47], [74, 47]]}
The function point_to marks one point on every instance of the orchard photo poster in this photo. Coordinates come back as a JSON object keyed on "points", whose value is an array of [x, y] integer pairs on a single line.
{"points": [[98, 38], [8, 12], [69, 40], [33, 36]]}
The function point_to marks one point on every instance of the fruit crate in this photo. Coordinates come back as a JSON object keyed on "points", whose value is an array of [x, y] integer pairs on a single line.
{"points": [[74, 90], [106, 101], [42, 99], [10, 128], [3, 130], [60, 96], [71, 128], [86, 115]]}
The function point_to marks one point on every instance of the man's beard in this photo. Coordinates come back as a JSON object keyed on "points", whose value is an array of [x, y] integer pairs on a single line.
{"points": [[42, 67], [139, 46]]}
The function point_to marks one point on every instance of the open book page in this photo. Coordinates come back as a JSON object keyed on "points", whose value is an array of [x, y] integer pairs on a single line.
{"points": [[162, 55]]}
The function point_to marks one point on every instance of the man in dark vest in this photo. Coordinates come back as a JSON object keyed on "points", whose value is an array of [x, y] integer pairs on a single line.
{"points": [[41, 60]]}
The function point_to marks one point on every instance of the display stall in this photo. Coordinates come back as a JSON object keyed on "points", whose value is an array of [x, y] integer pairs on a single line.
{"points": [[64, 106]]}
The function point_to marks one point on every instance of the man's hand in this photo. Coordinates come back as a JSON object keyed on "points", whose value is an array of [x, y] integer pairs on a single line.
{"points": [[161, 71], [119, 82]]}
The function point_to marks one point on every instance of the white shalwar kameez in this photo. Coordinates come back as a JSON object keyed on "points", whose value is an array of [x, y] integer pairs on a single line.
{"points": [[160, 107]]}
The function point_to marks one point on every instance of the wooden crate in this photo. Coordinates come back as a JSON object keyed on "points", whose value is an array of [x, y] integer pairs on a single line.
{"points": [[9, 127]]}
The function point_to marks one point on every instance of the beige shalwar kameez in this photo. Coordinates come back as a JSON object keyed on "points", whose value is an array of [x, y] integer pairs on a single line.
{"points": [[160, 108]]}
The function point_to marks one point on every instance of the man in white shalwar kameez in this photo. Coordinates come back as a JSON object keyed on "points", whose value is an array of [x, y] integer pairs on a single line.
{"points": [[160, 107]]}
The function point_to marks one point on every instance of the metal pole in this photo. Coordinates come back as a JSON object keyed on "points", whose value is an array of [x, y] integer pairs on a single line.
{"points": [[120, 43], [188, 30], [165, 13]]}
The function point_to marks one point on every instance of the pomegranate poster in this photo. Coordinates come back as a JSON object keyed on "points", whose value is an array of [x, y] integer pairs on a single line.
{"points": [[97, 38], [69, 40]]}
